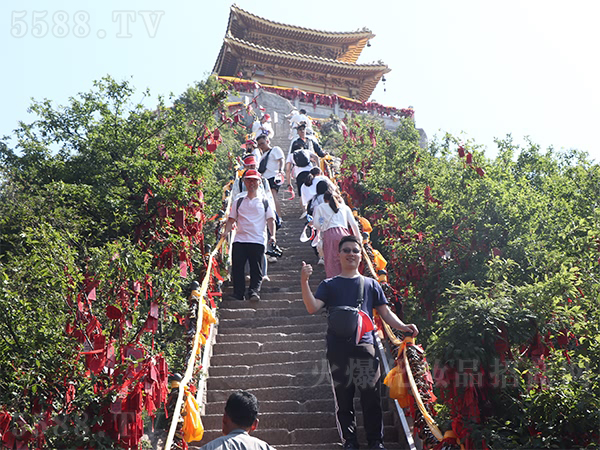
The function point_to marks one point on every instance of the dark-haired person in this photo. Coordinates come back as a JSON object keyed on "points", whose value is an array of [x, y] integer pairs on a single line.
{"points": [[251, 148], [239, 420], [315, 185], [310, 150], [274, 167], [238, 187], [251, 213], [353, 364], [332, 219]]}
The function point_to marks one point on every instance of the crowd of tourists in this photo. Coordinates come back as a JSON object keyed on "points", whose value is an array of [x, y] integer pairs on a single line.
{"points": [[349, 298]]}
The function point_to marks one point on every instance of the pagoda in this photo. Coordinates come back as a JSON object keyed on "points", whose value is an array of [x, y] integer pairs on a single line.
{"points": [[289, 56]]}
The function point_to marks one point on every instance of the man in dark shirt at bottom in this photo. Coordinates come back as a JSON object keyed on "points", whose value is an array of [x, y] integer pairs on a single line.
{"points": [[353, 364]]}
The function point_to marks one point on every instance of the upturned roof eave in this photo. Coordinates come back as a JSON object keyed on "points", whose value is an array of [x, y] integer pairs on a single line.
{"points": [[307, 34], [240, 44]]}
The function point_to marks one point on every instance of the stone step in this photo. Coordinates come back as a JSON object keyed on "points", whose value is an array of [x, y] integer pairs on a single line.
{"points": [[259, 322], [290, 420], [388, 446], [309, 406], [268, 300], [292, 262], [279, 420], [291, 232], [252, 382], [318, 405], [290, 235], [317, 327], [304, 436], [266, 358], [291, 368], [270, 337], [293, 393], [240, 313], [292, 250], [290, 245], [312, 447], [288, 293], [227, 348], [282, 278]]}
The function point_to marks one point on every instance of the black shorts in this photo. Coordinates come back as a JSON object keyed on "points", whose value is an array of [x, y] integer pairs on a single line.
{"points": [[273, 185]]}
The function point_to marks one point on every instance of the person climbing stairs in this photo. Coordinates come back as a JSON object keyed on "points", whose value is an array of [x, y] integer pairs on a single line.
{"points": [[276, 350]]}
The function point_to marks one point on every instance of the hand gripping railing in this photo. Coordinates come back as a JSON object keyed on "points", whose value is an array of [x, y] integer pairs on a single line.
{"points": [[327, 169], [398, 343], [386, 367]]}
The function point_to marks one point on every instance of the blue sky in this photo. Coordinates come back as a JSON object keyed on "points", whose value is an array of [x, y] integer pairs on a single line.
{"points": [[479, 69]]}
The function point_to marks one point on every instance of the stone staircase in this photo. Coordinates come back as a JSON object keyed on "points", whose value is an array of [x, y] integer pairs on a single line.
{"points": [[276, 350]]}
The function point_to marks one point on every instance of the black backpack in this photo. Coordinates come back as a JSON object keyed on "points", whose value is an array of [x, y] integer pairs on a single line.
{"points": [[300, 158], [342, 321], [262, 167]]}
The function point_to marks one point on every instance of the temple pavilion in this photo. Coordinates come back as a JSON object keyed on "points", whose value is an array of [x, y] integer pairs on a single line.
{"points": [[289, 56]]}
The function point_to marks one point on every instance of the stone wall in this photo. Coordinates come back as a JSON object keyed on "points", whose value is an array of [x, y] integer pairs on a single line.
{"points": [[275, 103]]}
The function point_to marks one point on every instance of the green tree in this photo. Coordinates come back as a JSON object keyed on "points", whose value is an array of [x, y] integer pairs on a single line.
{"points": [[102, 211], [497, 262]]}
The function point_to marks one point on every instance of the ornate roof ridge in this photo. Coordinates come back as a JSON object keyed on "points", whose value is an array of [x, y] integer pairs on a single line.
{"points": [[229, 37], [365, 33]]}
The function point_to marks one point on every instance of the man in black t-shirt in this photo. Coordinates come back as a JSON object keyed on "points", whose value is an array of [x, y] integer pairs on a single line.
{"points": [[353, 364]]}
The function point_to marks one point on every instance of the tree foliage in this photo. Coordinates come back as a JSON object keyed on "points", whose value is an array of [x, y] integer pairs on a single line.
{"points": [[103, 214], [498, 263]]}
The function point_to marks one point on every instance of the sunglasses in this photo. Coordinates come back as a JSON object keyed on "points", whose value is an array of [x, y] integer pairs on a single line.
{"points": [[351, 250]]}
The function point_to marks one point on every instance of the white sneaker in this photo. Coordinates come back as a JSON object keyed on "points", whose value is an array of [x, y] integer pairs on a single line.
{"points": [[303, 215], [266, 278], [272, 259], [321, 262]]}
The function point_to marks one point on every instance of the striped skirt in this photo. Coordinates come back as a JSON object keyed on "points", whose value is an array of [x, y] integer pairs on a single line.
{"points": [[331, 240]]}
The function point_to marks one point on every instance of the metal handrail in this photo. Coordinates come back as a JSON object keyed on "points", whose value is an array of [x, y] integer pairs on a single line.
{"points": [[399, 410], [206, 355], [327, 164]]}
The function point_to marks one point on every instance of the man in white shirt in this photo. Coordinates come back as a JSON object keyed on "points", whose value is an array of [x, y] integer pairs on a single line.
{"points": [[264, 190], [273, 168], [263, 126], [239, 187], [250, 213], [239, 420], [296, 119]]}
